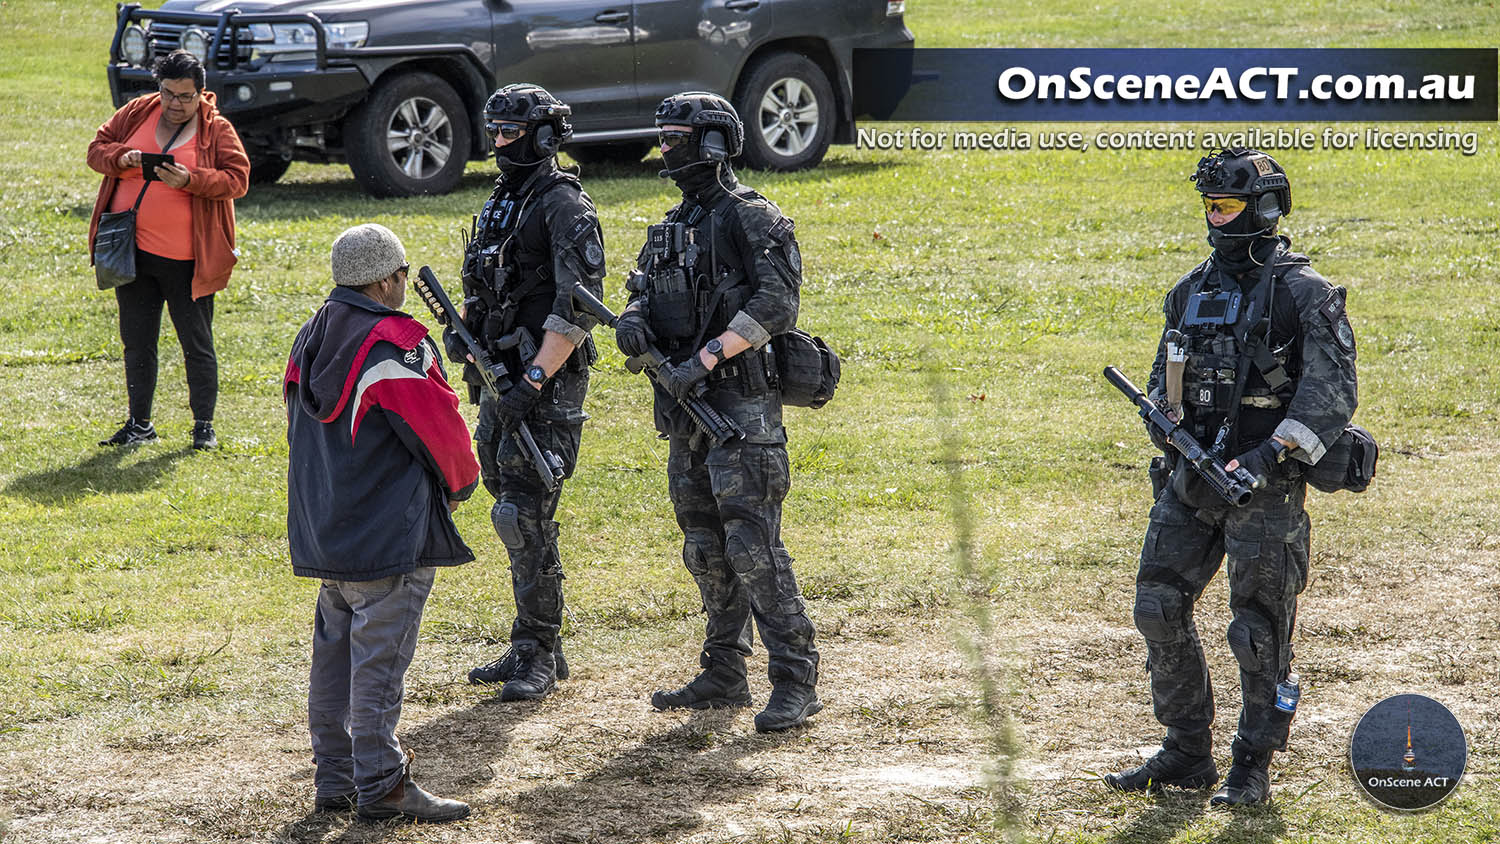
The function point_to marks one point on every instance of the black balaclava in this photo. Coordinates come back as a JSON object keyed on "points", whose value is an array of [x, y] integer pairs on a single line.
{"points": [[698, 179], [1239, 245], [517, 159]]}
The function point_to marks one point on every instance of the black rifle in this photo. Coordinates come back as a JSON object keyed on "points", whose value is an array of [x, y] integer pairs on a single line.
{"points": [[549, 468], [714, 425], [1234, 487]]}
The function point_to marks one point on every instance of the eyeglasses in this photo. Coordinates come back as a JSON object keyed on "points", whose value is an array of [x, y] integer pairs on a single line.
{"points": [[183, 99], [1226, 206], [508, 131], [404, 269], [674, 138]]}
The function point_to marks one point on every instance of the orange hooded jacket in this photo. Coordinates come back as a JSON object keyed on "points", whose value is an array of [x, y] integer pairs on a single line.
{"points": [[223, 175]]}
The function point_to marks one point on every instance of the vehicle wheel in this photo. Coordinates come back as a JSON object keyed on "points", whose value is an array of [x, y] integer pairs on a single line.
{"points": [[787, 105], [266, 169], [410, 136], [624, 152]]}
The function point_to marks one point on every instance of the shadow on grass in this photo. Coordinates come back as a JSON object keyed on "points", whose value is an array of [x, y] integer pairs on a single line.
{"points": [[650, 791], [1163, 817], [1252, 823], [102, 473], [452, 754]]}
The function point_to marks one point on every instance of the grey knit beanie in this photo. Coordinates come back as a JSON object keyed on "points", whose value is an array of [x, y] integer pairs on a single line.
{"points": [[366, 254]]}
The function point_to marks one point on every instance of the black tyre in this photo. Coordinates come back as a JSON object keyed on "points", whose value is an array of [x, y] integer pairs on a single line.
{"points": [[266, 169], [622, 152], [787, 105], [411, 136]]}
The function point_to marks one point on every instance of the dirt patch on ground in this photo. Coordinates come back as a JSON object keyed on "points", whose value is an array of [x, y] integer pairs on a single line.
{"points": [[896, 756], [591, 763]]}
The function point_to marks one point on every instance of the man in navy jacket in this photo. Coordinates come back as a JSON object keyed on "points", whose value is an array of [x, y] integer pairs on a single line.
{"points": [[379, 458]]}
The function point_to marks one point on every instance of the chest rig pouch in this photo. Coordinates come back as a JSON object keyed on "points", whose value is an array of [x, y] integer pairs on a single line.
{"points": [[499, 270], [671, 285]]}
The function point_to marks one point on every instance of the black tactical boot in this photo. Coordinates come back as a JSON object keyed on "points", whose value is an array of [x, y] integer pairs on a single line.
{"points": [[535, 675], [791, 704], [133, 433], [718, 686], [1170, 766], [499, 670], [1249, 780], [203, 435]]}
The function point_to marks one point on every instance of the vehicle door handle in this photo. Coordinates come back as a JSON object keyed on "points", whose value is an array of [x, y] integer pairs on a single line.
{"points": [[742, 5], [616, 17]]}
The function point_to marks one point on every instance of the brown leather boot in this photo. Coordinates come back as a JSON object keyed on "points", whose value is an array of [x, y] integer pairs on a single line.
{"points": [[408, 802]]}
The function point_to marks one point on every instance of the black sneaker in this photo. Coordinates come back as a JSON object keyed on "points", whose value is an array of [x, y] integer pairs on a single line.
{"points": [[535, 676], [717, 687], [791, 704], [497, 671], [203, 435], [132, 433], [1170, 766], [1249, 779]]}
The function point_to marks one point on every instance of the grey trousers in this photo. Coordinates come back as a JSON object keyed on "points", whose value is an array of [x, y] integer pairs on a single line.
{"points": [[364, 634]]}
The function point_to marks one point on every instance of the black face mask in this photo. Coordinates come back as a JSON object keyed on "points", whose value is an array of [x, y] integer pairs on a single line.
{"points": [[518, 157], [694, 176]]}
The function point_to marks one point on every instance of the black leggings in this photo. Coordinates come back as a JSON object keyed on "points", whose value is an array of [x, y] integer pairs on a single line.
{"points": [[161, 281]]}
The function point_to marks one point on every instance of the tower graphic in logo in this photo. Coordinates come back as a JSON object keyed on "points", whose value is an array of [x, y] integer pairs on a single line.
{"points": [[1389, 771]]}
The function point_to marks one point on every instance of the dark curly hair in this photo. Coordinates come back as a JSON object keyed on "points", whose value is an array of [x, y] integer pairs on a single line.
{"points": [[178, 64]]}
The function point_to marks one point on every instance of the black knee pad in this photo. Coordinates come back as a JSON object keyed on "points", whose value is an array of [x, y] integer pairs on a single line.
{"points": [[1159, 612], [507, 518], [1253, 641]]}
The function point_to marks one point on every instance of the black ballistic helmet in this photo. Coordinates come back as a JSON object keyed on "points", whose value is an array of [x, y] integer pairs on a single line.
{"points": [[716, 125], [546, 118], [1247, 172]]}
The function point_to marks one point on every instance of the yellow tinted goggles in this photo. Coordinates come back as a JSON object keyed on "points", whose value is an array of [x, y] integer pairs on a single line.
{"points": [[1225, 205]]}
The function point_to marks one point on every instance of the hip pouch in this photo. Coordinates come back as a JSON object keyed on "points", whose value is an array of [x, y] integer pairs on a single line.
{"points": [[1349, 463], [808, 371]]}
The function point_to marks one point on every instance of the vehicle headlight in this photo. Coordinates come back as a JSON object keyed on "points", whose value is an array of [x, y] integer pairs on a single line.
{"points": [[195, 41], [347, 34], [299, 41], [134, 46]]}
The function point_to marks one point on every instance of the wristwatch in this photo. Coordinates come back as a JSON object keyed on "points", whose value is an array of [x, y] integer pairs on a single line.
{"points": [[537, 375], [1281, 450], [715, 348]]}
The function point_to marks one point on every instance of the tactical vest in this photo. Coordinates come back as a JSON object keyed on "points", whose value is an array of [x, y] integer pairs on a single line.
{"points": [[1243, 355], [508, 269], [695, 279]]}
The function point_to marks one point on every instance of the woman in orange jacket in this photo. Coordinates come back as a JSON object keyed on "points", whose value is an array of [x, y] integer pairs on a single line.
{"points": [[184, 233]]}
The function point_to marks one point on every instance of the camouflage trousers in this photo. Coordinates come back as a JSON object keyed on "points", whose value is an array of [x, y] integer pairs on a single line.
{"points": [[728, 504], [523, 510], [1266, 542]]}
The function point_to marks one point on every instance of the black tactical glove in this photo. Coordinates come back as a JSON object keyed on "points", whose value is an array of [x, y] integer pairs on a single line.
{"points": [[679, 379], [1159, 439], [457, 351], [516, 403], [1262, 462], [632, 334]]}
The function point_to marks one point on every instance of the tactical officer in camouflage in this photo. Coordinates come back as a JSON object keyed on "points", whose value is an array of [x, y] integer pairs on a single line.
{"points": [[714, 283], [1269, 376], [537, 235]]}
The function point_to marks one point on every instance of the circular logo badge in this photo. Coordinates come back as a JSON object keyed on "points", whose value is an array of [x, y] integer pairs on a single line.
{"points": [[1408, 753]]}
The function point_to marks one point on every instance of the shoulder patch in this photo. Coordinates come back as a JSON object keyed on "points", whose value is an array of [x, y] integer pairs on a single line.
{"points": [[581, 228], [1332, 310], [782, 229]]}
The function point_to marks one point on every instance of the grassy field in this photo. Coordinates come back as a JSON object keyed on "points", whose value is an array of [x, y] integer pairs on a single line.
{"points": [[153, 642]]}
